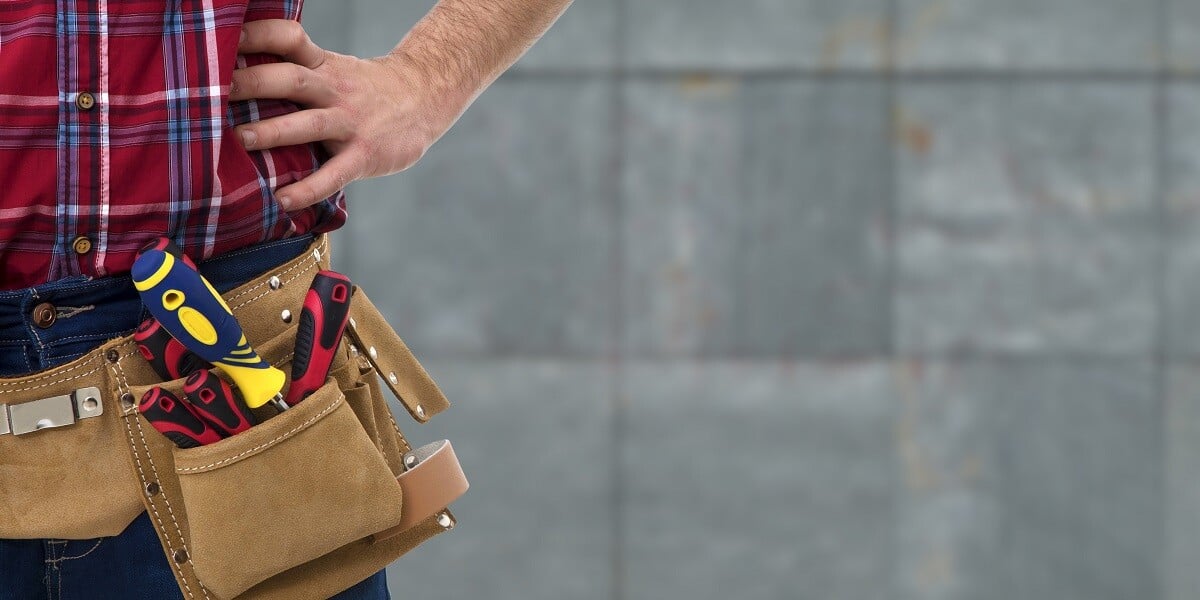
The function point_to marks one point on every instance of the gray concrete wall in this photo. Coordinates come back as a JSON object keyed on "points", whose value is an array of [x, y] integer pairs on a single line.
{"points": [[808, 299]]}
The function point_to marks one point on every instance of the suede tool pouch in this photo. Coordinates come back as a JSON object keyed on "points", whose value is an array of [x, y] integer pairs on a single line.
{"points": [[70, 482], [281, 494]]}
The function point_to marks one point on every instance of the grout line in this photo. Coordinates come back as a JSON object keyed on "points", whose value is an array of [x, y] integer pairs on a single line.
{"points": [[347, 253], [619, 387], [891, 107], [947, 75], [1161, 183], [1058, 358], [1161, 187], [892, 201]]}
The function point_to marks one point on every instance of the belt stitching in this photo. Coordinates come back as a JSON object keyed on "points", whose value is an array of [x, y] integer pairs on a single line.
{"points": [[123, 386], [264, 445], [304, 264]]}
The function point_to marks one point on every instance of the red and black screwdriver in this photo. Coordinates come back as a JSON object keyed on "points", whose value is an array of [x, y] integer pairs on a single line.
{"points": [[217, 403], [166, 245], [322, 323], [169, 358], [175, 419]]}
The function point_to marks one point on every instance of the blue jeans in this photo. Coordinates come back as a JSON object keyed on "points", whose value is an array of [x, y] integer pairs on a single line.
{"points": [[89, 312]]}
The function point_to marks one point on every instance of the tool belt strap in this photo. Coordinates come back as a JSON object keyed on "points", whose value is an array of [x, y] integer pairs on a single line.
{"points": [[432, 480]]}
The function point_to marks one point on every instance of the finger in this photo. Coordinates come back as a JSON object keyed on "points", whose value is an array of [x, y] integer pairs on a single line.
{"points": [[301, 127], [334, 175], [282, 80], [283, 38]]}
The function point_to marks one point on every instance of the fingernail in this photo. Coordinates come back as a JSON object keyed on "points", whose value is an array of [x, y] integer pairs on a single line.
{"points": [[242, 37], [249, 138], [285, 202]]}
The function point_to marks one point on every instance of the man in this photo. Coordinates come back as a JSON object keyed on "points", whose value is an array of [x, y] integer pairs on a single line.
{"points": [[217, 123]]}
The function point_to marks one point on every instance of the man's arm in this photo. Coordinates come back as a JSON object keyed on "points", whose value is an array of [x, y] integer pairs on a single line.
{"points": [[379, 116]]}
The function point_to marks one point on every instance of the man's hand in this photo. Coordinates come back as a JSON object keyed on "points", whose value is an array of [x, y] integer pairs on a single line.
{"points": [[373, 115], [378, 116]]}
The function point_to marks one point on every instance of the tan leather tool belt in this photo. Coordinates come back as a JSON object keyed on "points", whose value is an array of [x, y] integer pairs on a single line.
{"points": [[303, 505]]}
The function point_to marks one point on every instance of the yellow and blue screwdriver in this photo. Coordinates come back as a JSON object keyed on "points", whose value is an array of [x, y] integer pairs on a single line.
{"points": [[188, 307]]}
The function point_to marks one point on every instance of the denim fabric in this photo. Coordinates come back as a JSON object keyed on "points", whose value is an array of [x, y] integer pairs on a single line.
{"points": [[131, 565]]}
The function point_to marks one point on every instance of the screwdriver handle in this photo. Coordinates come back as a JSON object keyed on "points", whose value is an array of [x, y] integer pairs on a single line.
{"points": [[166, 245], [169, 358], [173, 418], [193, 312], [217, 403], [322, 322]]}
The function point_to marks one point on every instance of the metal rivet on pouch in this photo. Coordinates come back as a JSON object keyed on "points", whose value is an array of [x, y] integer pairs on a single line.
{"points": [[445, 521], [410, 461], [126, 401], [286, 315], [353, 349], [372, 352], [353, 323], [420, 411], [392, 378], [112, 355], [152, 488], [181, 556], [317, 254], [90, 403], [274, 282]]}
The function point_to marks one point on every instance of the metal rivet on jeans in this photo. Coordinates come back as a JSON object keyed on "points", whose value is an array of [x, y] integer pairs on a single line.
{"points": [[286, 315], [445, 521], [44, 315], [274, 282], [152, 488]]}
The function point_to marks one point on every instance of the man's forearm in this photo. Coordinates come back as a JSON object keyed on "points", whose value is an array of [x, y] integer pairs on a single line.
{"points": [[461, 46]]}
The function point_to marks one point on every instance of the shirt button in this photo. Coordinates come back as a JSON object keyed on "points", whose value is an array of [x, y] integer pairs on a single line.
{"points": [[82, 245], [44, 315], [85, 101]]}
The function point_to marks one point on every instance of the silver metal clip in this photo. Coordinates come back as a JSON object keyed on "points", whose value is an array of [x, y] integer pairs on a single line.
{"points": [[48, 413]]}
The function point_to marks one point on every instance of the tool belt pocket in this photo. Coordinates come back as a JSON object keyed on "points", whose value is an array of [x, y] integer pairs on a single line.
{"points": [[297, 487], [311, 500]]}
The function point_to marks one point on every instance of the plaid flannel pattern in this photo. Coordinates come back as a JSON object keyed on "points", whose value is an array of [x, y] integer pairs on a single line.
{"points": [[115, 128]]}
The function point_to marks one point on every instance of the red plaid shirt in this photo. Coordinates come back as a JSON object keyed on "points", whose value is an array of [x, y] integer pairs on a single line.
{"points": [[115, 128]]}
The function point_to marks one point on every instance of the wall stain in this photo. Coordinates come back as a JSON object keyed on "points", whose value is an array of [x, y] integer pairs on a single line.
{"points": [[913, 133], [919, 473], [927, 18], [868, 31], [936, 570], [708, 84]]}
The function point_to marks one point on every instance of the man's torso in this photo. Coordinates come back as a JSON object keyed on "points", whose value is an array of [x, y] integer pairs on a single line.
{"points": [[115, 128]]}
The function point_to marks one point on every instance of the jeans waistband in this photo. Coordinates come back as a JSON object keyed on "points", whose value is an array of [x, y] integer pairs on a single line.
{"points": [[89, 311]]}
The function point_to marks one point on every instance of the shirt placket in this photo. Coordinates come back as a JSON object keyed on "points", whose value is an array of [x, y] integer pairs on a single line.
{"points": [[83, 144]]}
